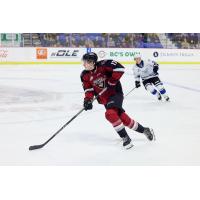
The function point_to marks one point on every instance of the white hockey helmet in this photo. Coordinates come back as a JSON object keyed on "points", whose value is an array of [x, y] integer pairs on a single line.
{"points": [[137, 55]]}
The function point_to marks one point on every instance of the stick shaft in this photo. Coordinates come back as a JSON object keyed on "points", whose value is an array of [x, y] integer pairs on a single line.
{"points": [[130, 92], [58, 131]]}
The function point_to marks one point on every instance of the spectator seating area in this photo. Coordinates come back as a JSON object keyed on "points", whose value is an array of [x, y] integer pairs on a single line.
{"points": [[185, 40], [104, 40], [118, 40]]}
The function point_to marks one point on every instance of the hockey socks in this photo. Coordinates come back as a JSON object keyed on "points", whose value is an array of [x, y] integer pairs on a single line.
{"points": [[138, 127], [127, 121], [113, 117]]}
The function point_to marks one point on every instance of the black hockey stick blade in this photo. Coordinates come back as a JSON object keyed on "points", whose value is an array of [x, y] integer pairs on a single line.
{"points": [[34, 147]]}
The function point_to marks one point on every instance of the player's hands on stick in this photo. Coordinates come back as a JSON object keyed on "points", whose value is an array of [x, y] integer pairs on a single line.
{"points": [[87, 104], [137, 84]]}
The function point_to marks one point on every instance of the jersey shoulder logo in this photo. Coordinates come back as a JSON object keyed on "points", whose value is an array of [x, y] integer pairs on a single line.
{"points": [[114, 62]]}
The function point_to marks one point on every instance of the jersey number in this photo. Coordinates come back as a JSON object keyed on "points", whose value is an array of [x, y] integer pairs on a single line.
{"points": [[113, 62]]}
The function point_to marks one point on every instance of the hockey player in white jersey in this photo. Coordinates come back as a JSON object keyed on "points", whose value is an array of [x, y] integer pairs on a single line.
{"points": [[147, 70]]}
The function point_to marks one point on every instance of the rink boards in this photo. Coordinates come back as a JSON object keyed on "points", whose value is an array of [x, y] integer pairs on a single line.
{"points": [[72, 56]]}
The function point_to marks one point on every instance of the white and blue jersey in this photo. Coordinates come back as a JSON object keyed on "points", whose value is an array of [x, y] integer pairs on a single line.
{"points": [[145, 70]]}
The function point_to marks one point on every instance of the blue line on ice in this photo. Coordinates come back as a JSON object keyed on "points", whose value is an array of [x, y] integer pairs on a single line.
{"points": [[182, 86]]}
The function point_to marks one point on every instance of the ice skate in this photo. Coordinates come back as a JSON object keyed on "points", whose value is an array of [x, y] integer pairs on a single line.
{"points": [[149, 134], [159, 96], [127, 142], [167, 98]]}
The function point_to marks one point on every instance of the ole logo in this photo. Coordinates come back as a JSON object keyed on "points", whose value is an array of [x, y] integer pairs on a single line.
{"points": [[41, 53]]}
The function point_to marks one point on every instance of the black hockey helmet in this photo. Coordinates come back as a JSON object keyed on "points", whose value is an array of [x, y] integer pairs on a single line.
{"points": [[91, 56]]}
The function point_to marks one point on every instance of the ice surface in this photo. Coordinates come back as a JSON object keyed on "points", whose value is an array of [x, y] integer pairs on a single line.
{"points": [[35, 101]]}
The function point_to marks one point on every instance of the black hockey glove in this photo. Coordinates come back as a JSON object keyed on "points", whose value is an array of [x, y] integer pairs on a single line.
{"points": [[87, 104], [155, 69], [137, 84]]}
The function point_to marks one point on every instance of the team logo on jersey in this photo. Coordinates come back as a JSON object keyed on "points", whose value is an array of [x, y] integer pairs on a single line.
{"points": [[100, 82]]}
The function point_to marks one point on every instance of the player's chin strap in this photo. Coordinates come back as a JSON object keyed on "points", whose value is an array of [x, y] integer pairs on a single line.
{"points": [[129, 92], [42, 145]]}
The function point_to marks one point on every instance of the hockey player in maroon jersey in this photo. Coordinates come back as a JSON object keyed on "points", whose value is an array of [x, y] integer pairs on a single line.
{"points": [[106, 74]]}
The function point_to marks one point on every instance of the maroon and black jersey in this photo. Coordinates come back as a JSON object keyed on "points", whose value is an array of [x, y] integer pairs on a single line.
{"points": [[106, 72]]}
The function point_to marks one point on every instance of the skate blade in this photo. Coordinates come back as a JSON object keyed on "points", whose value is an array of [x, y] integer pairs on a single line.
{"points": [[129, 146], [154, 137]]}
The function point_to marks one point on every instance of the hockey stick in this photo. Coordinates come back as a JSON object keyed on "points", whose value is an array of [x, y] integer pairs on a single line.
{"points": [[130, 92], [42, 145]]}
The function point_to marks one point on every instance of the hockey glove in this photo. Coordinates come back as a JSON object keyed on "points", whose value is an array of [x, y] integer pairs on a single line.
{"points": [[155, 69], [87, 105], [137, 84]]}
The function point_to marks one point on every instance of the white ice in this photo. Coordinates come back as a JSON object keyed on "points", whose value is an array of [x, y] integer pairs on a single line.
{"points": [[35, 101]]}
